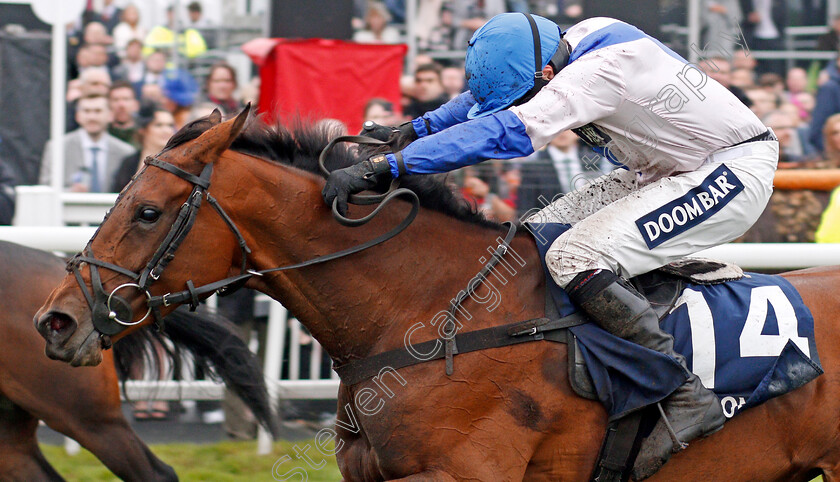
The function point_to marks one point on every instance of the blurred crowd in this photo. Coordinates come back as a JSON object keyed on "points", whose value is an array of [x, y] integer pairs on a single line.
{"points": [[801, 103], [127, 92], [130, 89]]}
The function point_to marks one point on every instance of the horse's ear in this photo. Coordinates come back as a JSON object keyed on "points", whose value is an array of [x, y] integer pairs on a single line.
{"points": [[241, 121], [210, 145], [215, 117]]}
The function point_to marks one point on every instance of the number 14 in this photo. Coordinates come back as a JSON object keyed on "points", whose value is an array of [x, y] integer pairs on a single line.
{"points": [[752, 342]]}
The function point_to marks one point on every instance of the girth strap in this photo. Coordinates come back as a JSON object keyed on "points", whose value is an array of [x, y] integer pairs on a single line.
{"points": [[356, 371], [620, 447]]}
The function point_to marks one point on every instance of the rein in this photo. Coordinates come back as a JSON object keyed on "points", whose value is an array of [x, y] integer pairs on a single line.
{"points": [[112, 314]]}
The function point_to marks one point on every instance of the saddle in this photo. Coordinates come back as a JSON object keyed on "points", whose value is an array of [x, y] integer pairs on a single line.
{"points": [[662, 287]]}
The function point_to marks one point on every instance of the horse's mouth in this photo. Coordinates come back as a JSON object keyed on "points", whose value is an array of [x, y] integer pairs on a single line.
{"points": [[89, 353], [67, 342]]}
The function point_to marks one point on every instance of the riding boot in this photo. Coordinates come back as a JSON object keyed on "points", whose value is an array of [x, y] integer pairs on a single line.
{"points": [[691, 410]]}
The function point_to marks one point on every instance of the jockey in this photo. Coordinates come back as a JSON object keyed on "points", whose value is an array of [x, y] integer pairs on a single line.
{"points": [[696, 168]]}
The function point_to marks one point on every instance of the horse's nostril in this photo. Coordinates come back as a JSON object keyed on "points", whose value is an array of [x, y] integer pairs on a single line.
{"points": [[58, 323]]}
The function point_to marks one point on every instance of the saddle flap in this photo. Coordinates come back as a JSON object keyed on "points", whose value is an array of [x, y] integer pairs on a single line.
{"points": [[703, 271], [579, 377], [660, 289]]}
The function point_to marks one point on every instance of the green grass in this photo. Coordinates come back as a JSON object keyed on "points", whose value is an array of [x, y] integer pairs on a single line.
{"points": [[220, 462], [225, 461]]}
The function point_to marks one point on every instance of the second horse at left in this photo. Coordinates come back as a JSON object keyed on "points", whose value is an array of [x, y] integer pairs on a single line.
{"points": [[84, 403]]}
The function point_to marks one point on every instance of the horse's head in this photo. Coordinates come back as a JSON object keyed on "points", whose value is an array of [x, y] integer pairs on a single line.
{"points": [[153, 236]]}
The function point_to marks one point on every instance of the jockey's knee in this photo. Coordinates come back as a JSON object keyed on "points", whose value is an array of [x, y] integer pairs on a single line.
{"points": [[568, 257]]}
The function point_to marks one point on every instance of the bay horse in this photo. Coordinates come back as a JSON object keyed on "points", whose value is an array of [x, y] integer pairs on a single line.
{"points": [[506, 413], [84, 404]]}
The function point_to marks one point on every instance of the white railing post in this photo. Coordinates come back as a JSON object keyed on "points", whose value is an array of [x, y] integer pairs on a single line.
{"points": [[278, 318], [694, 31], [294, 350], [71, 447], [411, 34], [315, 361], [36, 206]]}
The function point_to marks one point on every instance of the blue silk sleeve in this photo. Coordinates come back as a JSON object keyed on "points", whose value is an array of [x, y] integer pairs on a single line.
{"points": [[447, 115], [498, 136]]}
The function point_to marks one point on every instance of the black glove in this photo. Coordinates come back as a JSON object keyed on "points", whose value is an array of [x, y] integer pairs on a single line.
{"points": [[385, 133], [356, 178]]}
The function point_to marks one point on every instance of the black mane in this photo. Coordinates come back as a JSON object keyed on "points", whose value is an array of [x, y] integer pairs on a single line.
{"points": [[301, 145]]}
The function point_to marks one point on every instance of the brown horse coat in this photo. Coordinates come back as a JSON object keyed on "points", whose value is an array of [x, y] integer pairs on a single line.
{"points": [[506, 413], [84, 403], [81, 403]]}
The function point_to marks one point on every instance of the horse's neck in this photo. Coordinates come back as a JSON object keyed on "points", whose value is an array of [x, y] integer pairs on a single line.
{"points": [[366, 302]]}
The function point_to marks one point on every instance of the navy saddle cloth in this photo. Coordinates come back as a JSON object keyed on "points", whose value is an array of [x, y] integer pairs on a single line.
{"points": [[748, 340]]}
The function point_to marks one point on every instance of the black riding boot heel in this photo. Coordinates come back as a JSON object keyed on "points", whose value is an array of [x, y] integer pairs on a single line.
{"points": [[692, 410]]}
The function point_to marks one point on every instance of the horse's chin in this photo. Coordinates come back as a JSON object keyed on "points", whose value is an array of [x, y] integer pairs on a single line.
{"points": [[87, 353]]}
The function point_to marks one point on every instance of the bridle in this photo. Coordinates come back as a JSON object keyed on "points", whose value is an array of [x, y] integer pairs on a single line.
{"points": [[111, 313]]}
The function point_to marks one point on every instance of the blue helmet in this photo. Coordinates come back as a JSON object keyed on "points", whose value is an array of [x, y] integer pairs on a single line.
{"points": [[500, 63]]}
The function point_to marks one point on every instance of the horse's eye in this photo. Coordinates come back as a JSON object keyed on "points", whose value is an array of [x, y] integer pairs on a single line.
{"points": [[148, 215]]}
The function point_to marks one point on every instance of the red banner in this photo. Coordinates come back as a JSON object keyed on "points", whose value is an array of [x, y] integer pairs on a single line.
{"points": [[319, 78]]}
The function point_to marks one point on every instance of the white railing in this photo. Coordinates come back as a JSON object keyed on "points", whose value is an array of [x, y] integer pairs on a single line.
{"points": [[209, 390], [88, 209], [747, 255], [37, 206]]}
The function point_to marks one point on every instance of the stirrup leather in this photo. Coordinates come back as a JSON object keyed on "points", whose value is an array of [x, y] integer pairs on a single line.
{"points": [[679, 445]]}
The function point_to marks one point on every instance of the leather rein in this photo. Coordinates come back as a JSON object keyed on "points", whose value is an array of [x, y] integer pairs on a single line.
{"points": [[112, 314]]}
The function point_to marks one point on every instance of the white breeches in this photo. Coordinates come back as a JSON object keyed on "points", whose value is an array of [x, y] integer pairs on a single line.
{"points": [[630, 230]]}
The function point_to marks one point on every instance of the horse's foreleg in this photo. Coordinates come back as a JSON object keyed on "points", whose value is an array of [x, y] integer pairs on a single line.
{"points": [[20, 457], [118, 447]]}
